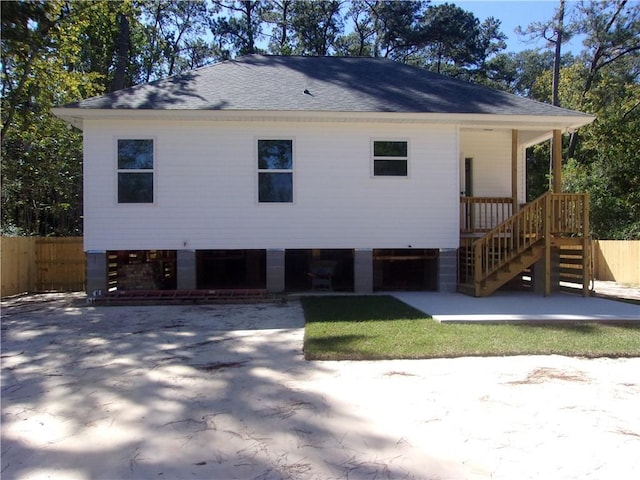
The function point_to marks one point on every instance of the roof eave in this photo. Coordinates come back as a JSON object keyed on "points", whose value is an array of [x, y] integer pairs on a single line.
{"points": [[76, 117], [73, 116]]}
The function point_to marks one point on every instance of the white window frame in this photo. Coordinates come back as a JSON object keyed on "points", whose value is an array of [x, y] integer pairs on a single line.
{"points": [[271, 170], [136, 170], [393, 158]]}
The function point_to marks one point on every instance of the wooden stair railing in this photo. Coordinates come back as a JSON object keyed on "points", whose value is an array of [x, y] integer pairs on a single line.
{"points": [[503, 252], [481, 214]]}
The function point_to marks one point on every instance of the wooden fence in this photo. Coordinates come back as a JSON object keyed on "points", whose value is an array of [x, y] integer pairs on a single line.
{"points": [[617, 260], [33, 264]]}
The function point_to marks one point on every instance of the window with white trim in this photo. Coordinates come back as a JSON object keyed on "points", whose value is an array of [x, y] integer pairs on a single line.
{"points": [[135, 170], [275, 171], [390, 158]]}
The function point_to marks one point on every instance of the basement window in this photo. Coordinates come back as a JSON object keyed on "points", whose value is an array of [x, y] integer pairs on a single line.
{"points": [[135, 171], [390, 158], [275, 171]]}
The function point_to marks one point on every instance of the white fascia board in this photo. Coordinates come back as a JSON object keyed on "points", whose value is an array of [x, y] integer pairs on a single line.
{"points": [[529, 138], [75, 116]]}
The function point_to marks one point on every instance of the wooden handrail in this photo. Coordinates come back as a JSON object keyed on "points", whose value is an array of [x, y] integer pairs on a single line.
{"points": [[552, 214], [569, 213], [481, 214]]}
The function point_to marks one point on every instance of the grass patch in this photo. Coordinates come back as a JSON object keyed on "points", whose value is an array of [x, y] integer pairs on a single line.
{"points": [[383, 327]]}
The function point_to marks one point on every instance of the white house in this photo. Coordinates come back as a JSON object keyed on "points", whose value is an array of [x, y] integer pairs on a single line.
{"points": [[261, 171]]}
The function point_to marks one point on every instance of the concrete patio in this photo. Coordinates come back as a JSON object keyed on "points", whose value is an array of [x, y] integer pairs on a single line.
{"points": [[505, 306], [223, 391]]}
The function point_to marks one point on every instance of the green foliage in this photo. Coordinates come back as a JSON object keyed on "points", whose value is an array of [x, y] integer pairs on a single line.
{"points": [[316, 26], [608, 166], [242, 29], [41, 156], [456, 43]]}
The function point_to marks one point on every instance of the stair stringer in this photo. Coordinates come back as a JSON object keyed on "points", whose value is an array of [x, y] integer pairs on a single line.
{"points": [[510, 270]]}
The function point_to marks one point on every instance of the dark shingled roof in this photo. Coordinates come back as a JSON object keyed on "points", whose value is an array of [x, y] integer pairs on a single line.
{"points": [[318, 84]]}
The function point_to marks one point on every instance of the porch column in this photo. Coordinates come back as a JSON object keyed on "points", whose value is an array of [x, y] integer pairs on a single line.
{"points": [[186, 270], [514, 169], [556, 160], [275, 270], [448, 270], [363, 271], [97, 272]]}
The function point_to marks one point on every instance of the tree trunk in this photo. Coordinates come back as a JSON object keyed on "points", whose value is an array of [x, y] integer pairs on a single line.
{"points": [[124, 42], [558, 52]]}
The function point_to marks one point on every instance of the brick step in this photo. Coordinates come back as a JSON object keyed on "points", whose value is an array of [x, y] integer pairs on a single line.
{"points": [[177, 297]]}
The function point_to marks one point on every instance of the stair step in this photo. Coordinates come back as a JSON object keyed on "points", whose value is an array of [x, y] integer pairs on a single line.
{"points": [[521, 235]]}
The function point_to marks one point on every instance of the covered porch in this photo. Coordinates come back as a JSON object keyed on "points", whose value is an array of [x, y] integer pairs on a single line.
{"points": [[502, 236]]}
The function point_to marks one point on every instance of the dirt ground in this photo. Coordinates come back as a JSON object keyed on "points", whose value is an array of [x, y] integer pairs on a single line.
{"points": [[616, 290], [223, 392]]}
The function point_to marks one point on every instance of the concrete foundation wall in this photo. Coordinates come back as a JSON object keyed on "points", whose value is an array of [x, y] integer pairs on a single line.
{"points": [[448, 270], [186, 271], [275, 271], [97, 276], [363, 271]]}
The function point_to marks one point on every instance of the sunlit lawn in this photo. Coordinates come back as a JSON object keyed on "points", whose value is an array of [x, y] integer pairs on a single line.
{"points": [[382, 327]]}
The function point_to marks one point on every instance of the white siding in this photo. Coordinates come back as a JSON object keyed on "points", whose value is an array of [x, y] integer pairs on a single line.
{"points": [[206, 188], [491, 153]]}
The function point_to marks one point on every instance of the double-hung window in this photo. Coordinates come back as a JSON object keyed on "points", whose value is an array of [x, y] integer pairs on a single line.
{"points": [[275, 171], [135, 171], [390, 158]]}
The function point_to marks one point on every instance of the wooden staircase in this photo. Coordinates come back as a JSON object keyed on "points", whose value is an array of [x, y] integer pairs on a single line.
{"points": [[497, 256]]}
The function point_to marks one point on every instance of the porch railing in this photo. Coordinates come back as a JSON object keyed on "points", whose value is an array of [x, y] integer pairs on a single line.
{"points": [[553, 215], [512, 237], [481, 214]]}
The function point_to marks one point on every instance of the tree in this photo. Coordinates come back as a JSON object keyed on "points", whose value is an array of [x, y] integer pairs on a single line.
{"points": [[25, 34], [612, 30], [172, 36], [456, 43], [555, 33], [41, 157], [316, 26], [398, 29], [107, 39], [520, 72], [606, 163], [450, 35], [609, 167], [242, 29], [279, 16], [490, 42], [359, 42]]}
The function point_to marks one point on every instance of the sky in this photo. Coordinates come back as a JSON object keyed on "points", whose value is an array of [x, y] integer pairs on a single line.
{"points": [[513, 13]]}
